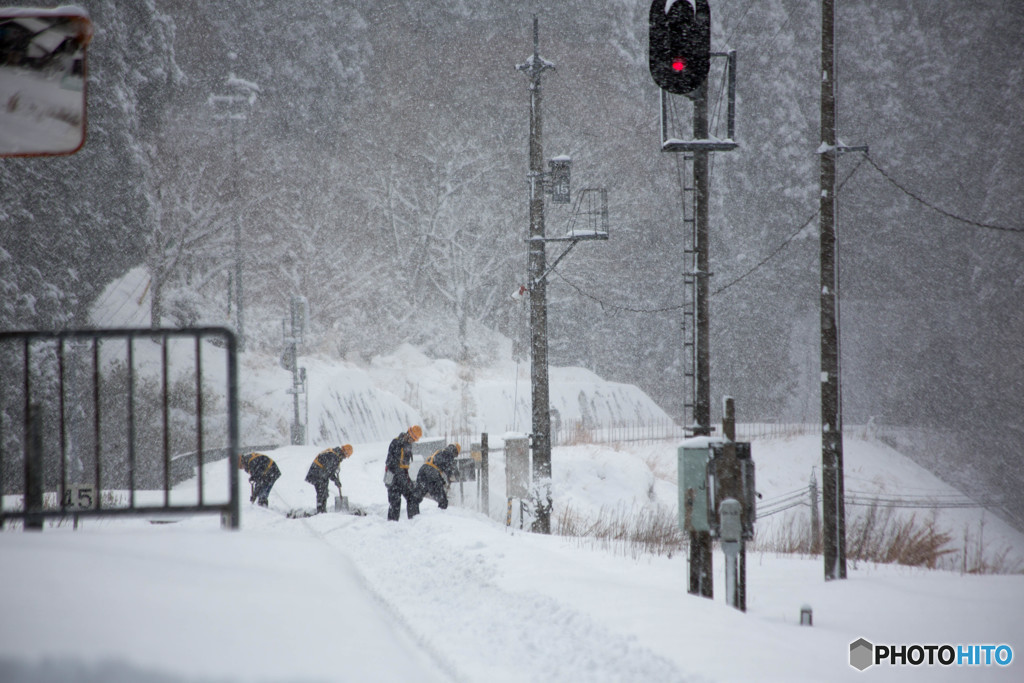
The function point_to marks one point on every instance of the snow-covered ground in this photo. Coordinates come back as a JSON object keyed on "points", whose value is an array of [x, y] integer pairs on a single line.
{"points": [[457, 595]]}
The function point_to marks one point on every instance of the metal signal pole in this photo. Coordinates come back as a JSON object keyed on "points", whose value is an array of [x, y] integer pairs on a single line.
{"points": [[701, 184], [701, 558], [534, 66], [833, 503]]}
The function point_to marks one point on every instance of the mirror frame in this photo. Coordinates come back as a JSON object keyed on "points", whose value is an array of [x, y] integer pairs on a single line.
{"points": [[72, 12]]}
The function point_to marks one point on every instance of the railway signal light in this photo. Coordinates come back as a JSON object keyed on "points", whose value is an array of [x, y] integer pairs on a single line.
{"points": [[680, 44]]}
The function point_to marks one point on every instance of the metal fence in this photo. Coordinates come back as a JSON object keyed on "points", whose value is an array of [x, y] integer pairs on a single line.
{"points": [[575, 432], [89, 420]]}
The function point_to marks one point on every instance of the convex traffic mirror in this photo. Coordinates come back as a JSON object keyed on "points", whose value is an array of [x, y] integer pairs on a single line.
{"points": [[42, 80]]}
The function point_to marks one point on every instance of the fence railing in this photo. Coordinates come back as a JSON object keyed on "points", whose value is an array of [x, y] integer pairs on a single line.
{"points": [[89, 420], [575, 432]]}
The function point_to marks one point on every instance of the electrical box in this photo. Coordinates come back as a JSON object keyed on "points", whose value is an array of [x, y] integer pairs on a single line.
{"points": [[517, 467], [467, 468], [748, 494], [427, 446], [730, 524], [693, 486]]}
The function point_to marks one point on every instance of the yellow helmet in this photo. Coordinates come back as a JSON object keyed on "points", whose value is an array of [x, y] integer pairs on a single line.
{"points": [[458, 449], [415, 432]]}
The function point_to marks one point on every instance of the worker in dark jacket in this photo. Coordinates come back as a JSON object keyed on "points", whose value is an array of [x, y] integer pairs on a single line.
{"points": [[437, 473], [324, 469], [263, 472], [396, 475]]}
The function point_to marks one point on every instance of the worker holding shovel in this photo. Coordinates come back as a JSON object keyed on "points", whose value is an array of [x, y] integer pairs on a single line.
{"points": [[437, 473], [263, 472], [324, 470]]}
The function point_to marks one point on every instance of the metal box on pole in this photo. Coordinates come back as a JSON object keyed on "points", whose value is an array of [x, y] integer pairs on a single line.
{"points": [[747, 494], [694, 501], [517, 466]]}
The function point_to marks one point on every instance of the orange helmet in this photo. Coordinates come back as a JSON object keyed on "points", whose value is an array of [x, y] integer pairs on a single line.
{"points": [[415, 432], [346, 450], [458, 449]]}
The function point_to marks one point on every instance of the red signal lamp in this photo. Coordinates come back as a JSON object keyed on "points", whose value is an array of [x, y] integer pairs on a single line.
{"points": [[679, 44]]}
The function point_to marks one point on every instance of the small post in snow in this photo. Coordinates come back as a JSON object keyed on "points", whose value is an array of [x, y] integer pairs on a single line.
{"points": [[730, 511], [485, 490]]}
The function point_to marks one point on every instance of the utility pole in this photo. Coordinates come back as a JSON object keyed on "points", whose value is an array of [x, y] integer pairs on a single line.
{"points": [[236, 106], [534, 66], [833, 503], [292, 338]]}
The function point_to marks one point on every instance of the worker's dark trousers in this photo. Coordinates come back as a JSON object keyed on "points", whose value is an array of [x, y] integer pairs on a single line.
{"points": [[321, 486], [402, 485]]}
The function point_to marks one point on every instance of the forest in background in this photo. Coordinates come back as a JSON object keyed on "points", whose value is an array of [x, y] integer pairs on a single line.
{"points": [[381, 173]]}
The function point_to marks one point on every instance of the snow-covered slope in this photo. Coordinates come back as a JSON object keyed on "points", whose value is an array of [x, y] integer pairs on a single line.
{"points": [[350, 401]]}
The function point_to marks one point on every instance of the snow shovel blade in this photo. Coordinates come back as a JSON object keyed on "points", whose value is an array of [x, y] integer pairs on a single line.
{"points": [[341, 503]]}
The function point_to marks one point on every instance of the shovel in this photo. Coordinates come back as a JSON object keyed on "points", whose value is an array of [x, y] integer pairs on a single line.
{"points": [[340, 502]]}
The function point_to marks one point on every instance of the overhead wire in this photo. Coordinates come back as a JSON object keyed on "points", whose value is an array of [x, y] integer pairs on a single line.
{"points": [[867, 499], [605, 304], [793, 235], [916, 197], [786, 241], [739, 22], [721, 289], [681, 184]]}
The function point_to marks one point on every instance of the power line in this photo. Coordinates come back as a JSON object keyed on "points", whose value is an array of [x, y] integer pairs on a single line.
{"points": [[918, 198], [939, 501], [786, 241], [785, 497], [739, 22], [605, 304], [721, 289]]}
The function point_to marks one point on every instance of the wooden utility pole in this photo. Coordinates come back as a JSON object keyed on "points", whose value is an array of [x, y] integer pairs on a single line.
{"points": [[833, 504], [534, 66]]}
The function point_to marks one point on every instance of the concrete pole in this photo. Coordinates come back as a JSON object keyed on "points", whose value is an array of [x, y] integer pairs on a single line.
{"points": [[534, 67], [834, 518]]}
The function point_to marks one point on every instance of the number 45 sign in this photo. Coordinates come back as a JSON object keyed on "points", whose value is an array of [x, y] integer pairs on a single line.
{"points": [[79, 497]]}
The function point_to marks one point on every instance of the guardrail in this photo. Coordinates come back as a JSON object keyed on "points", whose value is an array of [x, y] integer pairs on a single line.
{"points": [[89, 420]]}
